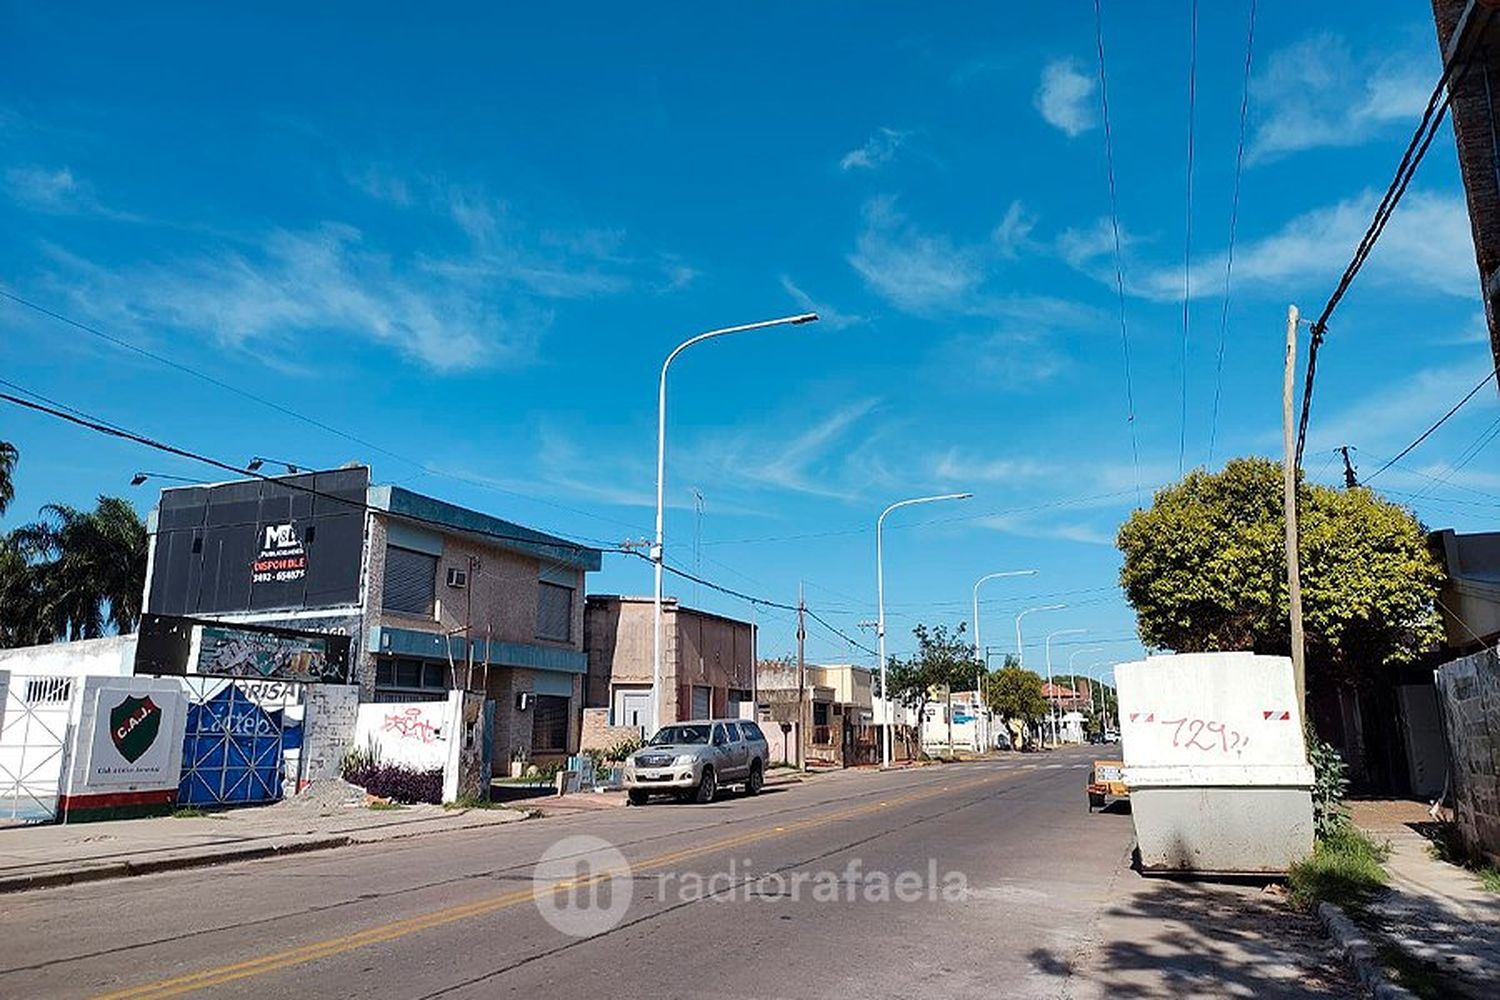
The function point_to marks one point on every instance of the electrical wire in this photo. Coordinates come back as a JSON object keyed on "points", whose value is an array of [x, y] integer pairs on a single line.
{"points": [[1411, 158], [1114, 220], [1234, 218], [1440, 422], [423, 467], [1187, 238]]}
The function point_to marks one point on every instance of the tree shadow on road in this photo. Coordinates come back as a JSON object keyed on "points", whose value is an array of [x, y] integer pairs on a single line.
{"points": [[1167, 937]]}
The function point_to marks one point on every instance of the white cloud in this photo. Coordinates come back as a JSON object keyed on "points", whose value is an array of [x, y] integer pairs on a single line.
{"points": [[827, 315], [955, 466], [880, 148], [1317, 93], [56, 191], [1064, 98], [816, 460], [1383, 422], [1013, 234], [915, 271], [1427, 246], [482, 297]]}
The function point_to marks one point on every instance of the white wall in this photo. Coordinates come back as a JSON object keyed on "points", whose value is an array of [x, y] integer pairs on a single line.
{"points": [[109, 657], [414, 733]]}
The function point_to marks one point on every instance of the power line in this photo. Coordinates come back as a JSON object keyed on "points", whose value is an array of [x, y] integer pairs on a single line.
{"points": [[423, 467], [1466, 456], [1411, 158], [1440, 422], [1114, 220], [1234, 218], [73, 416], [63, 412], [1187, 238]]}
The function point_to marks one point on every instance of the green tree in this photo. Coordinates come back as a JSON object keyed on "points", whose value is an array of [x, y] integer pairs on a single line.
{"points": [[73, 574], [1014, 694], [944, 660], [1205, 570], [8, 459]]}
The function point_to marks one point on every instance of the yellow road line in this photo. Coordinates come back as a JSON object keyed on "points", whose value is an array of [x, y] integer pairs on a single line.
{"points": [[276, 961]]}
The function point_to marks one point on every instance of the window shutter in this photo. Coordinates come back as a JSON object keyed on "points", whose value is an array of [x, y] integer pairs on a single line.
{"points": [[410, 581], [554, 612]]}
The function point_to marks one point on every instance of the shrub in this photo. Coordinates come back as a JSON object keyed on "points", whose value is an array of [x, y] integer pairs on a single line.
{"points": [[1330, 783], [400, 783], [1344, 869], [396, 782]]}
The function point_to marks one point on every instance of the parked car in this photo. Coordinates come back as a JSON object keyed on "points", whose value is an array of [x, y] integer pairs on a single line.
{"points": [[693, 760]]}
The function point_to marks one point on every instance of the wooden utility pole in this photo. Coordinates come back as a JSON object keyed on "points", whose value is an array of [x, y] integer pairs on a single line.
{"points": [[1289, 483], [801, 679]]}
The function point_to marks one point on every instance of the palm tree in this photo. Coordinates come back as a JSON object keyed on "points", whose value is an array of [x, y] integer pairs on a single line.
{"points": [[8, 458], [73, 573]]}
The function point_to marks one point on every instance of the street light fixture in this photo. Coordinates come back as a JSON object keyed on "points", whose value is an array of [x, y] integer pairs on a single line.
{"points": [[1020, 645], [1050, 637], [980, 658], [885, 691], [661, 462], [141, 477]]}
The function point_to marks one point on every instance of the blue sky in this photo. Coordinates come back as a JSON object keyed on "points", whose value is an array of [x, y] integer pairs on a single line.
{"points": [[471, 237]]}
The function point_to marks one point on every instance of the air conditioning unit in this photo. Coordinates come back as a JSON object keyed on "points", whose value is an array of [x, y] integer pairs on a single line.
{"points": [[458, 579]]}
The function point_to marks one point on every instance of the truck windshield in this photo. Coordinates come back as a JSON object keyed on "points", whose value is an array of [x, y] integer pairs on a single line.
{"points": [[678, 735]]}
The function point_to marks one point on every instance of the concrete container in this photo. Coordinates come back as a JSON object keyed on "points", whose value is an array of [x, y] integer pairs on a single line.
{"points": [[1216, 763]]}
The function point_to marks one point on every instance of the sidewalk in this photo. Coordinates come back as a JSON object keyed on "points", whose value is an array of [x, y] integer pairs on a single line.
{"points": [[333, 816], [1438, 914]]}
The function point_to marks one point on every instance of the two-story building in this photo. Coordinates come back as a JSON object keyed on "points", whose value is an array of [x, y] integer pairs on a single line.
{"points": [[434, 595]]}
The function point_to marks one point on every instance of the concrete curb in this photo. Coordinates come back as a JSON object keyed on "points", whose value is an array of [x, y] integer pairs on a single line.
{"points": [[128, 869], [1360, 953]]}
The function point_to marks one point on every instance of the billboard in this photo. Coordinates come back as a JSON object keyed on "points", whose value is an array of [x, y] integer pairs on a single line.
{"points": [[288, 543], [170, 645]]}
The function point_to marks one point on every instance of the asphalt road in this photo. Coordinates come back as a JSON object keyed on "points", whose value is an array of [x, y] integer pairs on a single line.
{"points": [[982, 879]]}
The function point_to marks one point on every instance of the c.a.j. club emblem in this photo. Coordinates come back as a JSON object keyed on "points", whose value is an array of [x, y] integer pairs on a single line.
{"points": [[133, 725]]}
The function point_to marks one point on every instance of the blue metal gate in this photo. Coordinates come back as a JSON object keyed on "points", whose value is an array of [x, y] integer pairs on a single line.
{"points": [[233, 750]]}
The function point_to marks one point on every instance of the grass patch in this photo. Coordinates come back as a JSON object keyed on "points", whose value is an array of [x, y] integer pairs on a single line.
{"points": [[1345, 869], [1445, 845], [189, 812], [474, 803], [379, 806]]}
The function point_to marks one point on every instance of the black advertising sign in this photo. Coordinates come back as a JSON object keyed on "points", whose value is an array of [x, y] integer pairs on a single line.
{"points": [[288, 543], [175, 646]]}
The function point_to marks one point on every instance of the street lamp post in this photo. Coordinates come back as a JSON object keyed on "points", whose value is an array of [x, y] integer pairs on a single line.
{"points": [[981, 735], [1020, 643], [885, 691], [1050, 637], [661, 463]]}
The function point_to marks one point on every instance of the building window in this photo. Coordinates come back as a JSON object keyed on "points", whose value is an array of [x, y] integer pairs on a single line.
{"points": [[554, 612], [410, 680], [410, 581], [549, 724], [820, 713]]}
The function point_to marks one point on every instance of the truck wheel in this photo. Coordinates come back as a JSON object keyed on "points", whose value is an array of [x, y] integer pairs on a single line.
{"points": [[756, 780], [638, 797], [708, 785]]}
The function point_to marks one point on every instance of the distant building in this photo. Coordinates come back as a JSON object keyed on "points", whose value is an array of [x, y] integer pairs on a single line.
{"points": [[832, 721], [1470, 598], [708, 661]]}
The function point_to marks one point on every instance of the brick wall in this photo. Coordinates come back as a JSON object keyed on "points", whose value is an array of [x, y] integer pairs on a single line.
{"points": [[1469, 693], [598, 734]]}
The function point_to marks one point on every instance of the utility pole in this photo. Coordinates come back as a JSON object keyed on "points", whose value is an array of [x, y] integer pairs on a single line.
{"points": [[1289, 501], [1351, 481], [801, 677], [469, 625]]}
